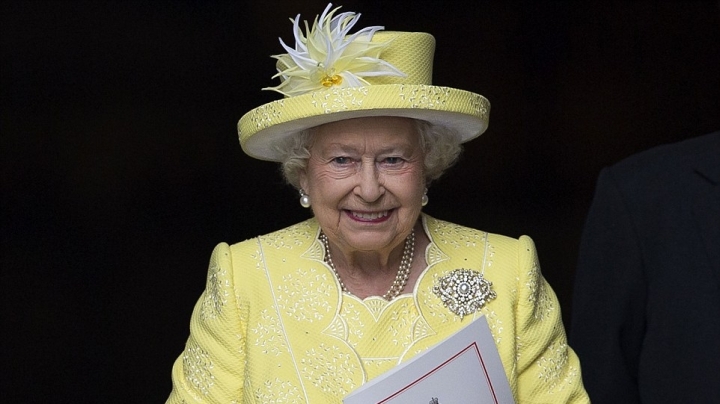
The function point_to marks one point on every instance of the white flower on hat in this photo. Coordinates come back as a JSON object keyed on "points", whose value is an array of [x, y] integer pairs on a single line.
{"points": [[328, 57]]}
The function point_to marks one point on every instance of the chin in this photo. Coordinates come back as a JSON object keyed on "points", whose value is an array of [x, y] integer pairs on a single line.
{"points": [[372, 241]]}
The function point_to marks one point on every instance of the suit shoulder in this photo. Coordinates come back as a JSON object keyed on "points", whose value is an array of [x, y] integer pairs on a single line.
{"points": [[295, 234], [666, 168], [664, 157], [441, 229]]}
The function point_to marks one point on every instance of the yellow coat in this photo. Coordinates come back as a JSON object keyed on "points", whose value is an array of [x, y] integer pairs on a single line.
{"points": [[273, 326]]}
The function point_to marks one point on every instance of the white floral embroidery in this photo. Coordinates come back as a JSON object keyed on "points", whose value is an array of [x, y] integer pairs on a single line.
{"points": [[198, 368], [552, 366], [329, 368], [216, 292], [303, 295], [278, 391], [538, 294], [269, 335]]}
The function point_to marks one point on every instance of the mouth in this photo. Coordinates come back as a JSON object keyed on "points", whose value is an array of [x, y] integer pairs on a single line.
{"points": [[371, 217]]}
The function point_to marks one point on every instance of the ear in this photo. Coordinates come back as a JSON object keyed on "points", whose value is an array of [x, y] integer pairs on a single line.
{"points": [[304, 183]]}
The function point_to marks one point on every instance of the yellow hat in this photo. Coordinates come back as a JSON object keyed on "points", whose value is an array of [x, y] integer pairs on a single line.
{"points": [[331, 75]]}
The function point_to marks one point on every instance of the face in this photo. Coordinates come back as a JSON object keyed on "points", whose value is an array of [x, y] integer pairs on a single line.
{"points": [[365, 181]]}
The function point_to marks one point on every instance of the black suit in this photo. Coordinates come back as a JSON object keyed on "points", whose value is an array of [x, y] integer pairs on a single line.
{"points": [[646, 308]]}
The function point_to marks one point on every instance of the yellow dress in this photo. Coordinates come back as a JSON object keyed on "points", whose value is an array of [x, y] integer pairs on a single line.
{"points": [[274, 327]]}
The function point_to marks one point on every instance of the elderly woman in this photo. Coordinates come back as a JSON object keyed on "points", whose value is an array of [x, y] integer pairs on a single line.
{"points": [[311, 312]]}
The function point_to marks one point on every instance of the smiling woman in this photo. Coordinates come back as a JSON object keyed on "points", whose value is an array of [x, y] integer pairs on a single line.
{"points": [[311, 312], [365, 181]]}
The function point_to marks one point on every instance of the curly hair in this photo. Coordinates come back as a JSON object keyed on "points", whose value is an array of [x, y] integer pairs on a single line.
{"points": [[440, 145]]}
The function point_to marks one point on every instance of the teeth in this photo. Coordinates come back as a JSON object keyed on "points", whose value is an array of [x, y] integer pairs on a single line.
{"points": [[370, 216]]}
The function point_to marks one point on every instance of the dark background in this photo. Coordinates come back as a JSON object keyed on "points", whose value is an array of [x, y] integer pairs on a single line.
{"points": [[120, 166]]}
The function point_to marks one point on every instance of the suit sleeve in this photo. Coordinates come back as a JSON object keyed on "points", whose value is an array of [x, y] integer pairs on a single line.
{"points": [[211, 369], [548, 370], [608, 298]]}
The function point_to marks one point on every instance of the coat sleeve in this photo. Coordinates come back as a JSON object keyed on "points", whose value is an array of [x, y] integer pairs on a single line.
{"points": [[608, 299], [211, 368], [548, 370]]}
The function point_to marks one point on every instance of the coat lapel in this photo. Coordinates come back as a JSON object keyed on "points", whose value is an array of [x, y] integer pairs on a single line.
{"points": [[706, 203]]}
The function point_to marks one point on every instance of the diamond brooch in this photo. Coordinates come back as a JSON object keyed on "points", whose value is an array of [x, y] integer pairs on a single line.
{"points": [[464, 291]]}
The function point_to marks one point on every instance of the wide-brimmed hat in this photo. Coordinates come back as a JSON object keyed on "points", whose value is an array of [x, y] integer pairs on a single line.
{"points": [[331, 75]]}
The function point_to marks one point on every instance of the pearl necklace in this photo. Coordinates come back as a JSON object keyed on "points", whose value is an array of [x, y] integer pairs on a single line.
{"points": [[403, 273]]}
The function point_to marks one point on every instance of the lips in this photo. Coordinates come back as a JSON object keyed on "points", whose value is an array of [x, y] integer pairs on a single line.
{"points": [[369, 216]]}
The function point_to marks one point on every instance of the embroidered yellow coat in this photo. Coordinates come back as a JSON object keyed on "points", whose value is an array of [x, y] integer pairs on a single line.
{"points": [[274, 327]]}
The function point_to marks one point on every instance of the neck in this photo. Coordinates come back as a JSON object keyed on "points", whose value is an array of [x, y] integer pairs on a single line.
{"points": [[367, 263], [372, 274]]}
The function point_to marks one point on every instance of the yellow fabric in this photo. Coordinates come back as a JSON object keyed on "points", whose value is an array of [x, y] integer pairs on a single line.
{"points": [[273, 327]]}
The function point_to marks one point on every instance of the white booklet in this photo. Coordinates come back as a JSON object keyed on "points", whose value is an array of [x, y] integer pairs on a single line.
{"points": [[465, 368]]}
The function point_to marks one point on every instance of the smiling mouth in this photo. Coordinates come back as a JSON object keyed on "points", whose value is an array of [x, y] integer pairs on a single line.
{"points": [[369, 216]]}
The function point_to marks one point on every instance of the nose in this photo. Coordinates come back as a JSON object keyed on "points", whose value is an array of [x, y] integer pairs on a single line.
{"points": [[369, 186]]}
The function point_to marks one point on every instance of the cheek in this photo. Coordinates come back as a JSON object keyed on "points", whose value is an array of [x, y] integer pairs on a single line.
{"points": [[324, 189], [408, 189], [413, 182], [313, 179]]}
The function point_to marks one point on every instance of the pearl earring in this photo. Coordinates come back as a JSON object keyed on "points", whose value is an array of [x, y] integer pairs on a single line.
{"points": [[304, 199], [424, 201]]}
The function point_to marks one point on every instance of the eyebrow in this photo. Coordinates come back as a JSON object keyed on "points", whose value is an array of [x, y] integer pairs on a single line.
{"points": [[391, 148]]}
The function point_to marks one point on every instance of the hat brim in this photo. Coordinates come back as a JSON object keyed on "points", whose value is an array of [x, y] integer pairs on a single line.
{"points": [[462, 111]]}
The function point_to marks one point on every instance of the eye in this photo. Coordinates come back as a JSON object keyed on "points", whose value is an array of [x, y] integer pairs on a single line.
{"points": [[393, 160], [342, 160]]}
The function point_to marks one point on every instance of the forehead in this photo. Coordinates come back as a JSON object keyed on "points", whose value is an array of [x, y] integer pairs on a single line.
{"points": [[380, 131]]}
